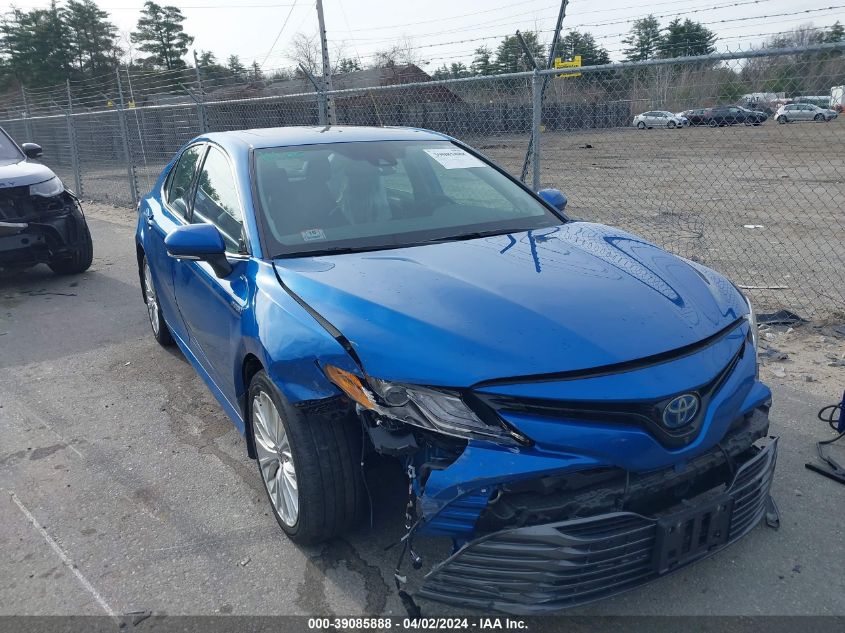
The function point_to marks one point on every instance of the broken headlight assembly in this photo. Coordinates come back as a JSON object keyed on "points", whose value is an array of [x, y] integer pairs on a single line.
{"points": [[438, 410], [48, 188]]}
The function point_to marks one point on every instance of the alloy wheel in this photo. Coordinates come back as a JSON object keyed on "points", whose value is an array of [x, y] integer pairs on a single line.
{"points": [[151, 298], [275, 458]]}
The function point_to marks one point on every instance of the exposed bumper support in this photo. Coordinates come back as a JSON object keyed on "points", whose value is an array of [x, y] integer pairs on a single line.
{"points": [[11, 228], [558, 565]]}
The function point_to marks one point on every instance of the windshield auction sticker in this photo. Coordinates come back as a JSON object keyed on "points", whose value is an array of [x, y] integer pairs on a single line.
{"points": [[313, 235], [454, 158]]}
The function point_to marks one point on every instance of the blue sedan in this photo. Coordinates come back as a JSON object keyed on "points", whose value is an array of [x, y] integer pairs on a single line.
{"points": [[579, 410]]}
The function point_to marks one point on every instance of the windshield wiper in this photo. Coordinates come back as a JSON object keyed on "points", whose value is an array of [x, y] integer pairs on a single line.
{"points": [[469, 236]]}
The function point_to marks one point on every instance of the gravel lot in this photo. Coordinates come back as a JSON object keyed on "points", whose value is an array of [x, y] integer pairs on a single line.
{"points": [[694, 191], [123, 486]]}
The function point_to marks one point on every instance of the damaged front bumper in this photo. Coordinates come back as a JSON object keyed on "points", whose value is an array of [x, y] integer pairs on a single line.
{"points": [[45, 232], [541, 568]]}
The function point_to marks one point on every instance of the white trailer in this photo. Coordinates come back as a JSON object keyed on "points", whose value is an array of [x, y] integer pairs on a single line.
{"points": [[837, 97]]}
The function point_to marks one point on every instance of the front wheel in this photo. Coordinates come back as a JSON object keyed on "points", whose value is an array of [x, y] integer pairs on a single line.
{"points": [[640, 125], [160, 330], [783, 120], [309, 464], [671, 125], [818, 117], [80, 260]]}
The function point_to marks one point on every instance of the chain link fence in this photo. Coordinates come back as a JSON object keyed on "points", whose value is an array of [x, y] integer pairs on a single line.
{"points": [[725, 184]]}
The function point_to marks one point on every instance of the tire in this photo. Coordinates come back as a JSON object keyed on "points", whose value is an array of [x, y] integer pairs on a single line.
{"points": [[640, 125], [750, 122], [712, 123], [321, 458], [81, 259], [818, 117], [783, 120], [671, 125], [161, 332]]}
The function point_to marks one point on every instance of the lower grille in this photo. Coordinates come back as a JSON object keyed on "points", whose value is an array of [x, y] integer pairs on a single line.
{"points": [[558, 565]]}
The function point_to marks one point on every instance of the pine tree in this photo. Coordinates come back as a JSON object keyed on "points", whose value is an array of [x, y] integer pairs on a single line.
{"points": [[347, 65], [687, 38], [255, 72], [510, 56], [35, 45], [160, 33], [481, 62], [643, 40], [583, 44], [835, 33], [234, 66], [93, 38]]}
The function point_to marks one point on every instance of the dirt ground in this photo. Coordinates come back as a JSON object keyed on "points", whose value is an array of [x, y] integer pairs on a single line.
{"points": [[763, 205]]}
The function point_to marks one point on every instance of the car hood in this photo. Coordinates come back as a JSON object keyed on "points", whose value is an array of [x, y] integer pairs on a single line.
{"points": [[566, 298], [18, 173]]}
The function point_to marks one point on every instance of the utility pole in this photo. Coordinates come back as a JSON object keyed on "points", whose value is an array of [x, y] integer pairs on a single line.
{"points": [[539, 83], [327, 68]]}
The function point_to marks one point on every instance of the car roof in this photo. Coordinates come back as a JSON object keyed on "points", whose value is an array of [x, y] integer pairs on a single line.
{"points": [[312, 135]]}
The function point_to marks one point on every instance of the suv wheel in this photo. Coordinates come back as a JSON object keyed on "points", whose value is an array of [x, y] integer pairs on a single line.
{"points": [[311, 468], [80, 260], [159, 327]]}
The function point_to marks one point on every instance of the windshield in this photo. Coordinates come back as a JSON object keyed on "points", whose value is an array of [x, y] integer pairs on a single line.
{"points": [[8, 150], [384, 194]]}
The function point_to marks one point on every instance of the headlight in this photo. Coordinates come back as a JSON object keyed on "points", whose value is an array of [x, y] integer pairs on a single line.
{"points": [[441, 411], [48, 188]]}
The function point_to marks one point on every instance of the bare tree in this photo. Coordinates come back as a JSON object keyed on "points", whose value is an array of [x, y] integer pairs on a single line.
{"points": [[305, 51], [402, 53]]}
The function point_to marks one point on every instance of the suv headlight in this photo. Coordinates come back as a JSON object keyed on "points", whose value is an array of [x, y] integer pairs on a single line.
{"points": [[437, 410], [48, 188]]}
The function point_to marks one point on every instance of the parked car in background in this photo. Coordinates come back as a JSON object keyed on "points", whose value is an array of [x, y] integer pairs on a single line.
{"points": [[40, 220], [733, 115], [350, 291], [696, 116], [657, 118], [803, 112]]}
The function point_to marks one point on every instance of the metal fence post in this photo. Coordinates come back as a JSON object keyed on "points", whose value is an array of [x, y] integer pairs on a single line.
{"points": [[27, 123], [124, 133], [322, 101], [201, 112], [72, 143], [537, 82]]}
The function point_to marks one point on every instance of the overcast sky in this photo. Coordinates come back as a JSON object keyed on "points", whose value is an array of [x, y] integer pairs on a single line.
{"points": [[449, 30]]}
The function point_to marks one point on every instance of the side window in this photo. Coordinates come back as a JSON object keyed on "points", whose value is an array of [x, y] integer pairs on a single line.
{"points": [[216, 200], [179, 180]]}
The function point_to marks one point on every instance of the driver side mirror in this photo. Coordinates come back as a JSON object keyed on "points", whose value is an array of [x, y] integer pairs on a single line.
{"points": [[554, 197], [199, 242], [31, 150]]}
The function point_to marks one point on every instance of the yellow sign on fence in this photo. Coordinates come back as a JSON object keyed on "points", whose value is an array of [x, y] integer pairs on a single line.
{"points": [[575, 62]]}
